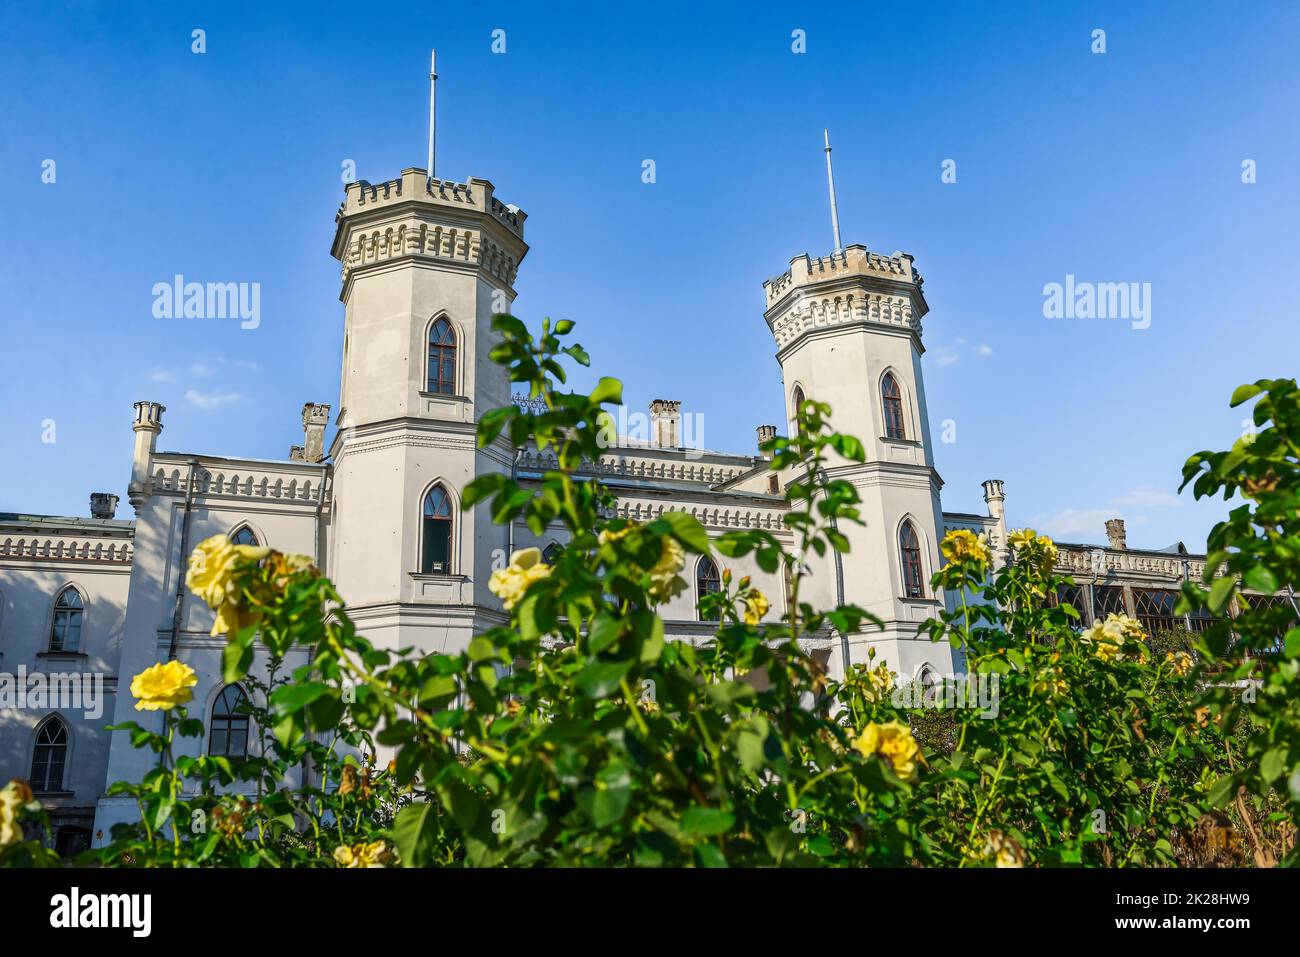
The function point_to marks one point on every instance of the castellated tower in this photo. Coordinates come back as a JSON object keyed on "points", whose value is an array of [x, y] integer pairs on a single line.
{"points": [[426, 263], [848, 333]]}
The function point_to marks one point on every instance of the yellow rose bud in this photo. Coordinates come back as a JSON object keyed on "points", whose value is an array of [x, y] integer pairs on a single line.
{"points": [[512, 582], [162, 687], [13, 797]]}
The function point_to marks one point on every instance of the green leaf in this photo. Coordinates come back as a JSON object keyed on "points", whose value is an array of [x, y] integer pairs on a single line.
{"points": [[599, 678], [1261, 579], [1243, 393], [236, 659], [1220, 592], [415, 833], [604, 632], [295, 697], [1272, 764], [607, 390], [687, 529], [707, 821]]}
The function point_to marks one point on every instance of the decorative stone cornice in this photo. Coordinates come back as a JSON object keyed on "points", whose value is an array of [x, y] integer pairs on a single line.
{"points": [[68, 548]]}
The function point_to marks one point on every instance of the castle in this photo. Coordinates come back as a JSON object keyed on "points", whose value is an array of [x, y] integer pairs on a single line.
{"points": [[425, 264]]}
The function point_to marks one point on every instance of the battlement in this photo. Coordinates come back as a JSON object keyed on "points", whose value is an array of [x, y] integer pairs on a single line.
{"points": [[853, 260], [415, 185], [438, 219]]}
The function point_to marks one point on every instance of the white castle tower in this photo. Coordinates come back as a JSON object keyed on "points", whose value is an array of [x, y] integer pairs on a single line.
{"points": [[848, 333], [426, 263]]}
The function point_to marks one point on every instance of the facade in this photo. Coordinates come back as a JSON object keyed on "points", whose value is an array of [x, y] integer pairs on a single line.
{"points": [[425, 264]]}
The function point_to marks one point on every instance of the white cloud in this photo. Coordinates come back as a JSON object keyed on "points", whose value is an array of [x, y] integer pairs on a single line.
{"points": [[198, 369], [984, 349], [1090, 523], [945, 356], [1148, 497], [211, 400], [161, 375]]}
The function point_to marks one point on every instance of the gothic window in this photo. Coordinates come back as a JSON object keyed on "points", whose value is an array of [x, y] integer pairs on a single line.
{"points": [[65, 630], [552, 552], [1155, 609], [1109, 601], [50, 755], [228, 737], [796, 405], [442, 358], [909, 547], [1073, 596], [707, 582], [244, 536], [436, 555], [892, 397]]}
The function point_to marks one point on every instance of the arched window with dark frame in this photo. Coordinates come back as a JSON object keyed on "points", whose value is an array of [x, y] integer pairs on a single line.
{"points": [[65, 628], [50, 756], [552, 552], [909, 548], [707, 582], [892, 398], [442, 358], [435, 558], [228, 729], [796, 405], [244, 536]]}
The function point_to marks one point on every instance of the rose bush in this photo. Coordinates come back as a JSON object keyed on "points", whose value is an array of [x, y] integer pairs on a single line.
{"points": [[577, 735]]}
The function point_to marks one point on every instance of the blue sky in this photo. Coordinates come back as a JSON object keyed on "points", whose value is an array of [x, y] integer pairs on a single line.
{"points": [[1117, 167]]}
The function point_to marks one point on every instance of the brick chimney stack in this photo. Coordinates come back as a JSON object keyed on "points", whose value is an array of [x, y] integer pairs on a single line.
{"points": [[315, 417], [103, 505], [1115, 532]]}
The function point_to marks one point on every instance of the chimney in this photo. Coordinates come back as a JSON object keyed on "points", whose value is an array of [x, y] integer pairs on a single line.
{"points": [[103, 505], [665, 417], [1115, 532], [315, 417], [995, 499], [765, 434], [147, 425]]}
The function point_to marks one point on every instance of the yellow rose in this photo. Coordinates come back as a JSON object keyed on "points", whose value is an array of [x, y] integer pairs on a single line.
{"points": [[1033, 549], [374, 854], [1050, 683], [664, 580], [13, 797], [1004, 849], [963, 545], [233, 617], [162, 687], [512, 582], [1180, 663], [213, 564], [756, 606], [892, 741]]}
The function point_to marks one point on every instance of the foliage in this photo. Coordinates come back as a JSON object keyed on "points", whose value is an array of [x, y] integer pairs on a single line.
{"points": [[577, 735]]}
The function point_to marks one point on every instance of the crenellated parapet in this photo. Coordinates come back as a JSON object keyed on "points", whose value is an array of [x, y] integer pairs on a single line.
{"points": [[634, 467], [441, 220], [853, 285]]}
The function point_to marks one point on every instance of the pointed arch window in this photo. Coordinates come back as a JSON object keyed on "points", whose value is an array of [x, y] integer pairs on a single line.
{"points": [[909, 548], [435, 558], [65, 629], [796, 406], [892, 398], [244, 536], [707, 582], [228, 737], [552, 552], [442, 358], [50, 756]]}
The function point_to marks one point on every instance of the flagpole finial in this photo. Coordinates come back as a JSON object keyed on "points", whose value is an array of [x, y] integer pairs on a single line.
{"points": [[830, 182]]}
